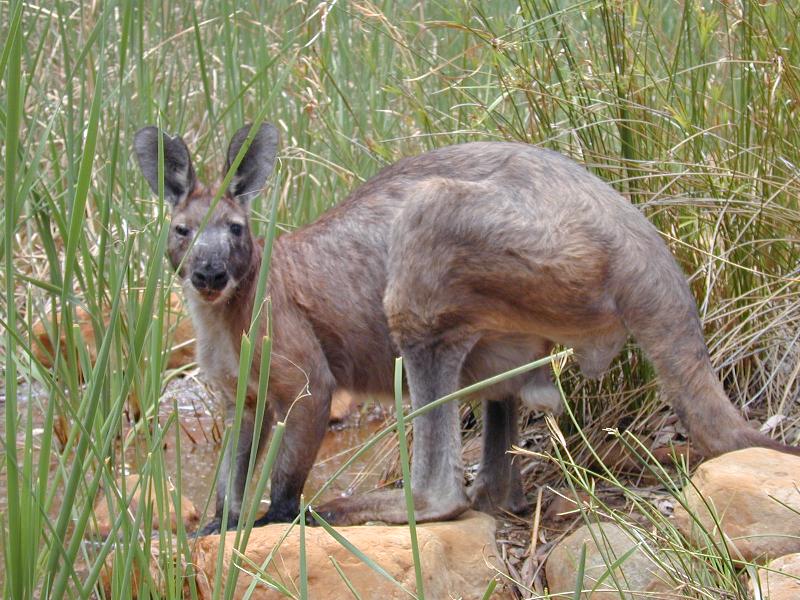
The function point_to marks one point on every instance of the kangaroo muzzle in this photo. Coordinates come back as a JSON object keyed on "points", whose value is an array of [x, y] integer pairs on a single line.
{"points": [[210, 278]]}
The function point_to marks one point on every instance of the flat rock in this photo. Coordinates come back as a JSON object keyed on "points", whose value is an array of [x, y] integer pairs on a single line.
{"points": [[102, 512], [459, 560], [779, 580], [636, 575], [750, 498]]}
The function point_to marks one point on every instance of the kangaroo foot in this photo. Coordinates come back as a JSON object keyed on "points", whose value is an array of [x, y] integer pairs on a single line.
{"points": [[389, 506]]}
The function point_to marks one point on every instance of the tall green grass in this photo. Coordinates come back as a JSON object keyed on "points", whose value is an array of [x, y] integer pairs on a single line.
{"points": [[690, 109]]}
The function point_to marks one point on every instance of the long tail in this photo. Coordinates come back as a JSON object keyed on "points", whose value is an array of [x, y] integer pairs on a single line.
{"points": [[660, 313]]}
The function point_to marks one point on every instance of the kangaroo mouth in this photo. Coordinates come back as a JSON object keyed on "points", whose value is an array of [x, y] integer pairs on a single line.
{"points": [[208, 294]]}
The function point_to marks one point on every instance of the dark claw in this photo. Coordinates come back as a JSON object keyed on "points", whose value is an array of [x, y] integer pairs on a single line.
{"points": [[211, 528]]}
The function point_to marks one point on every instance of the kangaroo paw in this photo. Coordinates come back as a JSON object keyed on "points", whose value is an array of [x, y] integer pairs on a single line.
{"points": [[389, 506]]}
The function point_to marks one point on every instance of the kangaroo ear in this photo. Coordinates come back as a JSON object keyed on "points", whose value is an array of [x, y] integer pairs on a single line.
{"points": [[256, 164], [179, 178]]}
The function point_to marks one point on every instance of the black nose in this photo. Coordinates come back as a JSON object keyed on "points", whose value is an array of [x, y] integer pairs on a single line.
{"points": [[210, 277]]}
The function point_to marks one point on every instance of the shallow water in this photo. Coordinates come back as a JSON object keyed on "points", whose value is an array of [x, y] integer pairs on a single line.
{"points": [[200, 426], [200, 450]]}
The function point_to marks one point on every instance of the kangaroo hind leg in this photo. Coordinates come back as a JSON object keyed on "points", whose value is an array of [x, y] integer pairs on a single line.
{"points": [[437, 473], [498, 485]]}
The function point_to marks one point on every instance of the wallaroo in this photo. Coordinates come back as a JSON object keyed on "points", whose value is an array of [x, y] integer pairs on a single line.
{"points": [[466, 261]]}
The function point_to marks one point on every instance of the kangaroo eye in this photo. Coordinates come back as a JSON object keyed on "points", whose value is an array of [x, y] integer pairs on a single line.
{"points": [[236, 229], [181, 230]]}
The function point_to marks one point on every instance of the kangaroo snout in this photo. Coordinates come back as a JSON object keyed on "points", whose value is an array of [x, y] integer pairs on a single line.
{"points": [[210, 276]]}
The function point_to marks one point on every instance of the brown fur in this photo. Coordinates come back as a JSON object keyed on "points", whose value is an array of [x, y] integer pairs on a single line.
{"points": [[467, 261]]}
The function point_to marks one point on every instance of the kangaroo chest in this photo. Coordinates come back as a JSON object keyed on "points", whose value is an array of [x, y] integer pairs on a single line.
{"points": [[218, 348]]}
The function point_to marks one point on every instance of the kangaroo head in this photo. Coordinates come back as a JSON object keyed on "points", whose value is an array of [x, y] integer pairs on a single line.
{"points": [[211, 259]]}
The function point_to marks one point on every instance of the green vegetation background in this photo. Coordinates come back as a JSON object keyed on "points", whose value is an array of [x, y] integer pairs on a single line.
{"points": [[691, 109]]}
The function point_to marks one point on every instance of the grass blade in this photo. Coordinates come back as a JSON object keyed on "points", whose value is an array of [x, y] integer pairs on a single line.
{"points": [[406, 470]]}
